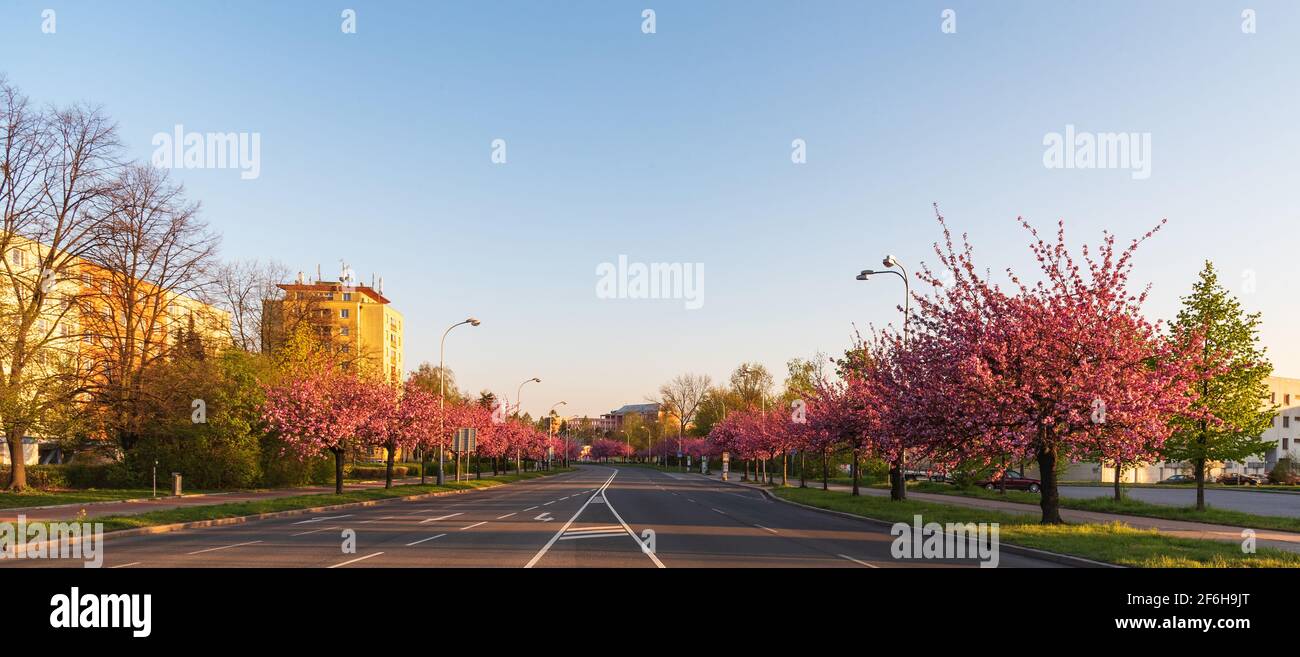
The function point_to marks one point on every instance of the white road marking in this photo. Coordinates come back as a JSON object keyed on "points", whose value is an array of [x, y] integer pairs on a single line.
{"points": [[719, 511], [549, 503], [322, 529], [474, 525], [766, 528], [449, 515], [542, 552], [356, 560], [644, 547], [127, 565], [574, 537], [544, 517], [222, 547], [304, 522], [506, 516], [860, 563], [425, 539], [528, 509]]}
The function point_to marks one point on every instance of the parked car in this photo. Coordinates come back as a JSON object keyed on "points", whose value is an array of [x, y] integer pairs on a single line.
{"points": [[924, 475], [1014, 481], [1179, 479], [1238, 480]]}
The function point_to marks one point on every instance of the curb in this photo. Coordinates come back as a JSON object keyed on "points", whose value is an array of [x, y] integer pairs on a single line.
{"points": [[1055, 557], [235, 520]]}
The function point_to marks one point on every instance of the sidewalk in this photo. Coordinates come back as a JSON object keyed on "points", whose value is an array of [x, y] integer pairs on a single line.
{"points": [[132, 507], [1263, 537]]}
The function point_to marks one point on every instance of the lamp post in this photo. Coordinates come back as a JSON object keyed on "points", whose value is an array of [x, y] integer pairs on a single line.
{"points": [[555, 429], [519, 407], [899, 484], [442, 395]]}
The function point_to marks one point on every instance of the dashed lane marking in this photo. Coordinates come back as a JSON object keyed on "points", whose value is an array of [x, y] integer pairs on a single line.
{"points": [[860, 563], [356, 560], [474, 525], [449, 515], [425, 540], [223, 547]]}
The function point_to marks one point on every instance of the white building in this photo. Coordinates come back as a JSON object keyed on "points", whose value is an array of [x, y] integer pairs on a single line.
{"points": [[1284, 434]]}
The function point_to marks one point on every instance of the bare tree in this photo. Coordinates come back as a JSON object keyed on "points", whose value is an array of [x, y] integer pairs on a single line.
{"points": [[55, 165], [153, 259], [242, 289], [682, 397]]}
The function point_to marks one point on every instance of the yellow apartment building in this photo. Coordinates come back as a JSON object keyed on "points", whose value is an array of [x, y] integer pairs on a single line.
{"points": [[80, 326], [358, 320]]}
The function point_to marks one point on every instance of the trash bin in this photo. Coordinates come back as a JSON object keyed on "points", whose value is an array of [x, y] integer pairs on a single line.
{"points": [[176, 483]]}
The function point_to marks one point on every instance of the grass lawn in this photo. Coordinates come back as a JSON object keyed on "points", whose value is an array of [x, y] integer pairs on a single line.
{"points": [[1113, 543], [236, 509], [51, 497], [1128, 506]]}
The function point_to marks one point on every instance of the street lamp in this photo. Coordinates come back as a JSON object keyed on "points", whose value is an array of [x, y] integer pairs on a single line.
{"points": [[901, 272], [519, 407], [554, 430], [442, 384], [899, 485]]}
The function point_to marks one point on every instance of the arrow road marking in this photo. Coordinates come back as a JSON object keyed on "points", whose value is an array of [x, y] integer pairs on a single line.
{"points": [[545, 517]]}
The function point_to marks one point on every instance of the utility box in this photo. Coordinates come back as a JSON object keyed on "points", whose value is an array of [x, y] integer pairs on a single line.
{"points": [[176, 483]]}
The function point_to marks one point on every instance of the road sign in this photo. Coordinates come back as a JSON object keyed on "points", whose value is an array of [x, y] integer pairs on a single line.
{"points": [[465, 440]]}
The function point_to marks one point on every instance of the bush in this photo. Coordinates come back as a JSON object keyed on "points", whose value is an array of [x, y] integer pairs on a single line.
{"points": [[375, 471], [1283, 473], [75, 475]]}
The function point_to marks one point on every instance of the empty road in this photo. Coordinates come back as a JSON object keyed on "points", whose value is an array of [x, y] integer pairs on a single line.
{"points": [[599, 516]]}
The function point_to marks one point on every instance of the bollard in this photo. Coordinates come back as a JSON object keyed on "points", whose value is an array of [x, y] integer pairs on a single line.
{"points": [[176, 484]]}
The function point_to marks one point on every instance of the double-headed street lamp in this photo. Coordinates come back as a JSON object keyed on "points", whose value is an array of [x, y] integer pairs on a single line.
{"points": [[891, 261], [442, 395], [519, 408], [899, 485]]}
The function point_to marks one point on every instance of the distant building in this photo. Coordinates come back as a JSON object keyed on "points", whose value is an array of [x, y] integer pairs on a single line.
{"points": [[613, 420]]}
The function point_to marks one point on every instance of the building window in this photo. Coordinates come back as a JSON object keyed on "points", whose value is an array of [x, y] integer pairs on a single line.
{"points": [[347, 296], [343, 313], [1286, 422], [1286, 399], [343, 330], [1286, 444]]}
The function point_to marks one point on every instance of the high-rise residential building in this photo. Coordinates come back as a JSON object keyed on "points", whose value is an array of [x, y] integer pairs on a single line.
{"points": [[95, 322], [358, 321]]}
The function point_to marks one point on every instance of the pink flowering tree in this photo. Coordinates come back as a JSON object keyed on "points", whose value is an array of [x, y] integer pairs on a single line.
{"points": [[1027, 369], [316, 413], [414, 423]]}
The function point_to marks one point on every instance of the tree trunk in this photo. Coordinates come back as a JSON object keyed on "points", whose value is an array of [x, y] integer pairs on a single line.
{"points": [[1118, 473], [826, 471], [1050, 499], [803, 463], [478, 466], [338, 471], [17, 466], [853, 466], [388, 469], [424, 464], [1199, 467], [897, 482], [784, 466]]}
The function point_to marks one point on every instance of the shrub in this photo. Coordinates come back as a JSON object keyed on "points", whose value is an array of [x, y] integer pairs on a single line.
{"points": [[75, 475]]}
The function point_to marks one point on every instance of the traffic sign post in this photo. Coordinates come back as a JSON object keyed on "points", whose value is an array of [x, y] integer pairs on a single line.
{"points": [[464, 442]]}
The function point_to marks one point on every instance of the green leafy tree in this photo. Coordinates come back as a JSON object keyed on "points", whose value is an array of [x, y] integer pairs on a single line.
{"points": [[1230, 414]]}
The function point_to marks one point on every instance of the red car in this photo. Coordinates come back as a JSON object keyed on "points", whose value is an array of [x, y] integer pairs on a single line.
{"points": [[1014, 481]]}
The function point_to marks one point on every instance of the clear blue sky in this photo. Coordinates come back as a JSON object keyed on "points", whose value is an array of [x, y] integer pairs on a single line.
{"points": [[675, 147]]}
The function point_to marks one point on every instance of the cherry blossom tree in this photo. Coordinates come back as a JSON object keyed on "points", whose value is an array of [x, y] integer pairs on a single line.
{"points": [[1020, 372], [319, 412]]}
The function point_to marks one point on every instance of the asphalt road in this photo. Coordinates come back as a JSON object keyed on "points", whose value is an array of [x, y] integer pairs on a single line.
{"points": [[1257, 502], [596, 517]]}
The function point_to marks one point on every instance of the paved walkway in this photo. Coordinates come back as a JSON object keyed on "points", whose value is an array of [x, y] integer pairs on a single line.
{"points": [[1281, 540], [132, 507]]}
